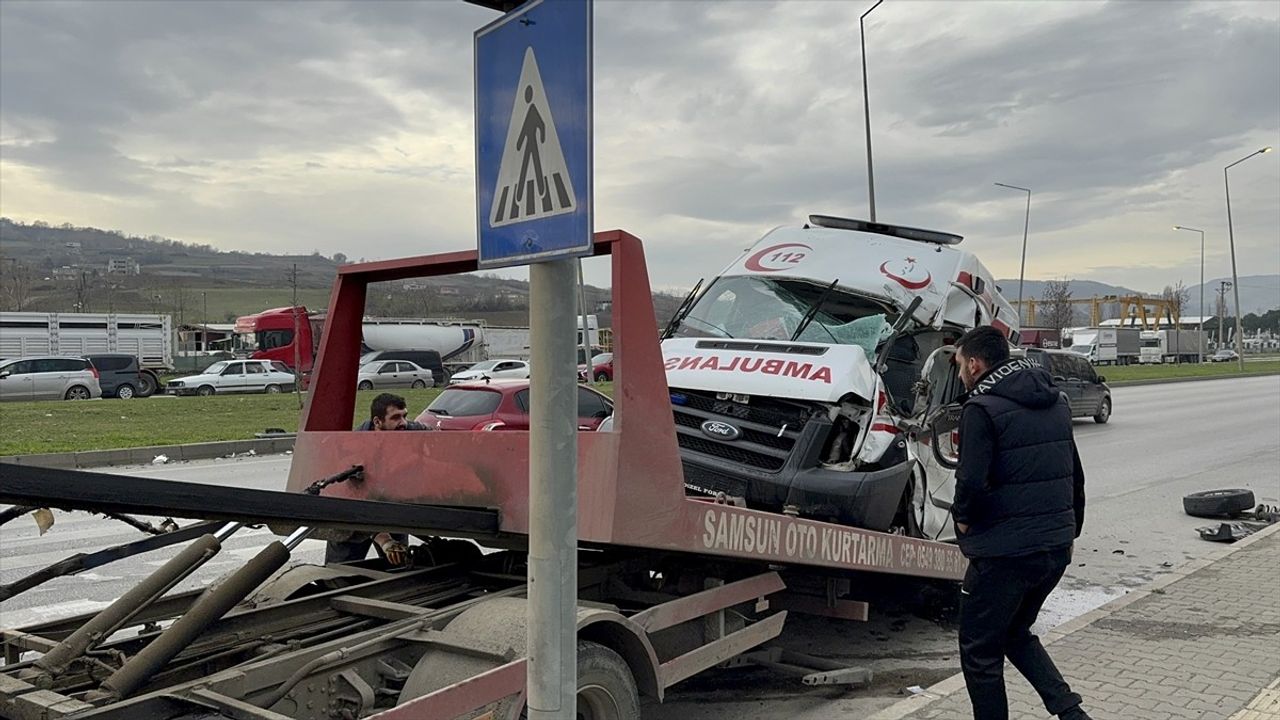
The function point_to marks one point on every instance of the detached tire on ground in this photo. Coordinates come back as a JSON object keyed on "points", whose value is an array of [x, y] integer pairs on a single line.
{"points": [[1218, 503]]}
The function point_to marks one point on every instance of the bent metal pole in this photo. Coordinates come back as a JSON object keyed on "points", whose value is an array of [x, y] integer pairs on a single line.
{"points": [[553, 492]]}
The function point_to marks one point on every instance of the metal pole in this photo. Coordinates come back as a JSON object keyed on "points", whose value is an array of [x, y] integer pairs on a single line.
{"points": [[1200, 325], [1222, 306], [586, 333], [553, 494], [1235, 280], [1026, 226], [866, 111]]}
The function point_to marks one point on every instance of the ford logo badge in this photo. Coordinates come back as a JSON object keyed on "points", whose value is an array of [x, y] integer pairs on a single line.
{"points": [[720, 430]]}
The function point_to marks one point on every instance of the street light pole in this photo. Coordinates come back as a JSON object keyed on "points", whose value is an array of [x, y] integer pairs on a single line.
{"points": [[866, 110], [1200, 327], [1026, 225], [1235, 281]]}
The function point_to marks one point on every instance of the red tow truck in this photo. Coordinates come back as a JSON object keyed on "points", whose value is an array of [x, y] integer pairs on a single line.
{"points": [[670, 584]]}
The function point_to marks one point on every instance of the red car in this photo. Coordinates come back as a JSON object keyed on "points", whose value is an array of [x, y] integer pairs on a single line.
{"points": [[601, 368], [502, 405]]}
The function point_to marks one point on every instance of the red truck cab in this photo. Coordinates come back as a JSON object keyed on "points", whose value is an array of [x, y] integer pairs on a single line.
{"points": [[288, 335]]}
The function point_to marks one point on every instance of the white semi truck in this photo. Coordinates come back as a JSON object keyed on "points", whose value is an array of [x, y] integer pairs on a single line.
{"points": [[1107, 346], [813, 376], [1166, 346]]}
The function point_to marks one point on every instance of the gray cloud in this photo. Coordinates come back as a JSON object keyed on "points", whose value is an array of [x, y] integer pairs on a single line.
{"points": [[242, 124]]}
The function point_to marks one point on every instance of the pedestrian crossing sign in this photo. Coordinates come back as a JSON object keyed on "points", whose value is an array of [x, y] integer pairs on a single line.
{"points": [[533, 180], [533, 134]]}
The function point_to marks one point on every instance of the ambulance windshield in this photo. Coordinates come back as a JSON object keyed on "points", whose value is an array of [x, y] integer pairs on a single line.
{"points": [[758, 308]]}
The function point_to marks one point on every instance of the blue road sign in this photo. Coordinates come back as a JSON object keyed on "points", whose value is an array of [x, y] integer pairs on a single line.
{"points": [[533, 134]]}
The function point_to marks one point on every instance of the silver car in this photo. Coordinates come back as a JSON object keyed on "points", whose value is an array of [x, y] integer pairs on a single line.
{"points": [[48, 378], [235, 376], [393, 373]]}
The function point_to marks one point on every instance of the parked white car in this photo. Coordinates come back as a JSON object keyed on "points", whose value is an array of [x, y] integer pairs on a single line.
{"points": [[494, 370], [393, 373], [48, 378], [235, 376]]}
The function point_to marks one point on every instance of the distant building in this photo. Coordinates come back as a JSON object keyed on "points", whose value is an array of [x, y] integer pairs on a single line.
{"points": [[416, 285], [123, 266], [66, 273], [74, 247]]}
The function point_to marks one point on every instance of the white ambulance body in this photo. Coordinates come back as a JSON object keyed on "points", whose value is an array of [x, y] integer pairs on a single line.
{"points": [[778, 399]]}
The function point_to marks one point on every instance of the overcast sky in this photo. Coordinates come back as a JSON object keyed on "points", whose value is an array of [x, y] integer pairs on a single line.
{"points": [[347, 127]]}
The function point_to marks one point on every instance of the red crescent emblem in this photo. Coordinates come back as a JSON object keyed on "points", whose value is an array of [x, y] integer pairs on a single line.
{"points": [[908, 284], [779, 257]]}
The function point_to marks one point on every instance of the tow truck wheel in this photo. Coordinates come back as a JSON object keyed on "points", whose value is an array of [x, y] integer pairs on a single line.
{"points": [[606, 689], [147, 385]]}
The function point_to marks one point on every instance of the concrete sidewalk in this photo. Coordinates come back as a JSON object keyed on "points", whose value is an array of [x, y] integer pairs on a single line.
{"points": [[1202, 642]]}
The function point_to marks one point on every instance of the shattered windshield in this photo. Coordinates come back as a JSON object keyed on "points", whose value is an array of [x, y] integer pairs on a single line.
{"points": [[757, 308]]}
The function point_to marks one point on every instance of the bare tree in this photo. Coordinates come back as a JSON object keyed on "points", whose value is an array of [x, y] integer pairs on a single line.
{"points": [[1057, 312], [1178, 296], [15, 284]]}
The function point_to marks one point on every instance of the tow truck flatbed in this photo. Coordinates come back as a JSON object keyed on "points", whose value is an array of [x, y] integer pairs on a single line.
{"points": [[670, 585]]}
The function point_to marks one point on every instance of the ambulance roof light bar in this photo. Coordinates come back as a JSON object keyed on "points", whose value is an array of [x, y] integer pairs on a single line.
{"points": [[900, 231]]}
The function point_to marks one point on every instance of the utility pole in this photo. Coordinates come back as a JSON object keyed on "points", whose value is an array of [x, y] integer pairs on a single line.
{"points": [[204, 333], [297, 351], [1222, 307]]}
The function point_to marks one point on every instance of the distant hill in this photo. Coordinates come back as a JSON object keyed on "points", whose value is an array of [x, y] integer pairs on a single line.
{"points": [[1079, 289], [65, 269], [1258, 293]]}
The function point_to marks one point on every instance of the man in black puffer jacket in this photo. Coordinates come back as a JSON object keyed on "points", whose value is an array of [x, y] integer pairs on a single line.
{"points": [[1019, 505]]}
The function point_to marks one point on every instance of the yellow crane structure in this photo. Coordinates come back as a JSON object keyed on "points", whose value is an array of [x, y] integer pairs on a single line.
{"points": [[1146, 310]]}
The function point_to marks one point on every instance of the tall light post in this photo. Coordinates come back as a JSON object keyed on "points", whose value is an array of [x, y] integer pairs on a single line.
{"points": [[866, 109], [1200, 328], [1235, 281], [1026, 224]]}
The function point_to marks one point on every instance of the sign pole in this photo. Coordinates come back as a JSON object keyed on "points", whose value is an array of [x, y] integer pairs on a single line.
{"points": [[533, 192], [553, 492]]}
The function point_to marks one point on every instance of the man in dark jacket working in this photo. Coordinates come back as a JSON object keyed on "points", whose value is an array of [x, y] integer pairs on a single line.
{"points": [[1019, 505], [387, 412]]}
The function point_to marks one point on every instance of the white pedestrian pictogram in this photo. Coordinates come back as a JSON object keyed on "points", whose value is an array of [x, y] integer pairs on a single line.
{"points": [[533, 179]]}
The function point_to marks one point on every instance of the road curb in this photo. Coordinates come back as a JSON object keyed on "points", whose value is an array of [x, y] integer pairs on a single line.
{"points": [[1167, 381], [144, 455], [944, 689]]}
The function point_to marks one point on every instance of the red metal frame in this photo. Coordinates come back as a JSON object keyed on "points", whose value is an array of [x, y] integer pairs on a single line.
{"points": [[631, 489]]}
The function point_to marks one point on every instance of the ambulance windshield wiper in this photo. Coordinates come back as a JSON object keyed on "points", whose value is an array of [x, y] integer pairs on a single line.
{"points": [[813, 312], [685, 308]]}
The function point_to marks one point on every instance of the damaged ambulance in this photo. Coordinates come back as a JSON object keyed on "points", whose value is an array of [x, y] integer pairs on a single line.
{"points": [[814, 375]]}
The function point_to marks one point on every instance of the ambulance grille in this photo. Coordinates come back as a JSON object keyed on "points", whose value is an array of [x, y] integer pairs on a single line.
{"points": [[733, 452], [701, 481]]}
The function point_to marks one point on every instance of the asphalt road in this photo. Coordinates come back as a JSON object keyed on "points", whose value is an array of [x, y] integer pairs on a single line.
{"points": [[1163, 441]]}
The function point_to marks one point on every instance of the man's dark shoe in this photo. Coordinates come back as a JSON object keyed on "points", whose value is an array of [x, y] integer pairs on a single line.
{"points": [[1075, 713]]}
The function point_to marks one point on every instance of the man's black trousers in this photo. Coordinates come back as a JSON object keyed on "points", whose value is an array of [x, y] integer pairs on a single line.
{"points": [[1000, 600]]}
